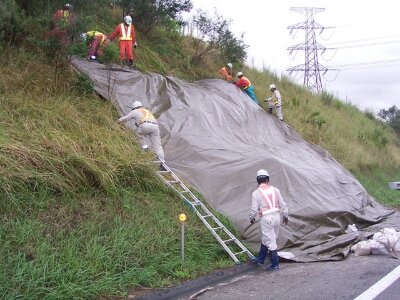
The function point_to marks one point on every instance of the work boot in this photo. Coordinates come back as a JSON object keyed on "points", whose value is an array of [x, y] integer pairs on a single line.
{"points": [[270, 110], [273, 255], [261, 255]]}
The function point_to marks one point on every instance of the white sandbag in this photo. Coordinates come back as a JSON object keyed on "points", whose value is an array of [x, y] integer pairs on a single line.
{"points": [[391, 235], [361, 248], [396, 249], [381, 239], [351, 228], [377, 248]]}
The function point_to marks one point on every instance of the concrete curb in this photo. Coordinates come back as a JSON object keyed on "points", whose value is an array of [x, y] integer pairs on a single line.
{"points": [[192, 286]]}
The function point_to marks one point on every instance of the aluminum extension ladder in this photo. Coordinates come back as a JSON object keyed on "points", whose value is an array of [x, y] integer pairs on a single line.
{"points": [[227, 240]]}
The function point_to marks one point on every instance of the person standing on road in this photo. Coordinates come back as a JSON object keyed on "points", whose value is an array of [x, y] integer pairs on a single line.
{"points": [[147, 128], [245, 84], [275, 101], [268, 202]]}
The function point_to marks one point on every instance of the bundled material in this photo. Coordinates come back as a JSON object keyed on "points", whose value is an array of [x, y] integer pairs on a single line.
{"points": [[384, 242]]}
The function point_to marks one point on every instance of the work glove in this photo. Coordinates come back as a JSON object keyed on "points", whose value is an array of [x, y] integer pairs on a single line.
{"points": [[285, 220], [252, 220], [135, 45]]}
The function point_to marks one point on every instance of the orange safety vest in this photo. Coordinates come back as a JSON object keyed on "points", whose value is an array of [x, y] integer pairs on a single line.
{"points": [[147, 116], [225, 74], [270, 200], [126, 35], [243, 83]]}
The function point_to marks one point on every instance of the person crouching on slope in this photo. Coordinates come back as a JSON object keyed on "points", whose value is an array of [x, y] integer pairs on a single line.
{"points": [[246, 86], [96, 42], [127, 39], [147, 128]]}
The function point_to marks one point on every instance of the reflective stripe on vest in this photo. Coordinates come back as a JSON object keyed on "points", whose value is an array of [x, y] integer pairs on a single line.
{"points": [[147, 116], [66, 16], [125, 35], [269, 196]]}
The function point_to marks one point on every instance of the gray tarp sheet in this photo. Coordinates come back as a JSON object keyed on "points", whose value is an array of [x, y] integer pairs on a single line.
{"points": [[216, 139]]}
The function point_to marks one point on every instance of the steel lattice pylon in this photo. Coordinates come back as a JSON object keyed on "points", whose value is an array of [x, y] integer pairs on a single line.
{"points": [[311, 66]]}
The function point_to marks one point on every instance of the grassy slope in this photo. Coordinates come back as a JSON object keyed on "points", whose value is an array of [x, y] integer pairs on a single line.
{"points": [[82, 213]]}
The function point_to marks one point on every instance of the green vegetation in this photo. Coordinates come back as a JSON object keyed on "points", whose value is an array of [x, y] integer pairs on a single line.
{"points": [[82, 213]]}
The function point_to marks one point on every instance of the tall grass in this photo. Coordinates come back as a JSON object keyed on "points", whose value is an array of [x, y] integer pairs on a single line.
{"points": [[82, 213]]}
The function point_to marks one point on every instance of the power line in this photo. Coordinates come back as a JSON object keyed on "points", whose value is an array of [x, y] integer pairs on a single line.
{"points": [[369, 44], [370, 63], [364, 40]]}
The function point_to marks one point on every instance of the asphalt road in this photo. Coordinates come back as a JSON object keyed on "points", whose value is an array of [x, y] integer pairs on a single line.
{"points": [[345, 279]]}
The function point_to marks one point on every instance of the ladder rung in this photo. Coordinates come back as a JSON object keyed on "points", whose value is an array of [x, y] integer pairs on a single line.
{"points": [[164, 172], [228, 241], [173, 181], [184, 192], [195, 203], [216, 228], [244, 251], [207, 216]]}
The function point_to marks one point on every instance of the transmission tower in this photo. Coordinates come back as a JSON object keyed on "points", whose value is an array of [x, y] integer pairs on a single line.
{"points": [[311, 66]]}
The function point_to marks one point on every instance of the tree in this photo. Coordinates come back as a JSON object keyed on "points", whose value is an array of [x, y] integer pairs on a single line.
{"points": [[149, 13], [214, 36], [392, 117]]}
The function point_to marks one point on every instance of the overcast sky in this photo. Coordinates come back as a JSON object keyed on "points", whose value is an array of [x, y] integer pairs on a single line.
{"points": [[369, 74]]}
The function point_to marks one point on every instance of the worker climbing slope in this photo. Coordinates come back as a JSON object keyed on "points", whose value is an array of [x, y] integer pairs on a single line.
{"points": [[226, 72], [275, 101], [147, 128], [127, 39], [244, 84]]}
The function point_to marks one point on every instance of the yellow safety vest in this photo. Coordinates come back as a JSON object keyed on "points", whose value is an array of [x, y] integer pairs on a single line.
{"points": [[125, 35], [147, 116], [93, 33]]}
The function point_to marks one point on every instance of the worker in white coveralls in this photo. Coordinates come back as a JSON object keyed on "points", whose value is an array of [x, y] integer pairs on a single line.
{"points": [[268, 202], [275, 101], [147, 128]]}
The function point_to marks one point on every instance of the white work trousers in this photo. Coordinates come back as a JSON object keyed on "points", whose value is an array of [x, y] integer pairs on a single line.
{"points": [[278, 109], [150, 132], [270, 229]]}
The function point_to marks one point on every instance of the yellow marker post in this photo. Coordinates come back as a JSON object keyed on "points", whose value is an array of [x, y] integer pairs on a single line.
{"points": [[182, 219]]}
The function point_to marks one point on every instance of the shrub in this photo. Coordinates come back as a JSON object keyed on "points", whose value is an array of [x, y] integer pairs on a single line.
{"points": [[316, 119]]}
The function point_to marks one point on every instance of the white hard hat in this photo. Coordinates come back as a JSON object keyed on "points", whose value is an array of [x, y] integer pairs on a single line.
{"points": [[229, 65], [68, 6], [83, 36], [272, 86], [262, 172], [136, 104], [239, 74], [128, 20]]}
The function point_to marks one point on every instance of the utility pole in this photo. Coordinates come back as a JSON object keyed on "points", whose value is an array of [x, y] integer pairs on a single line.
{"points": [[311, 66]]}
